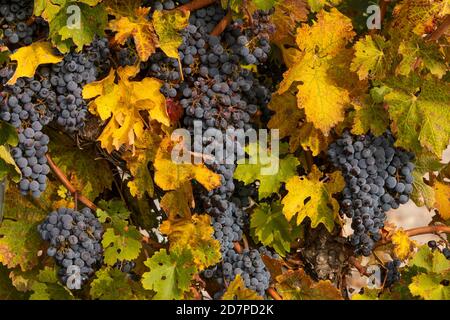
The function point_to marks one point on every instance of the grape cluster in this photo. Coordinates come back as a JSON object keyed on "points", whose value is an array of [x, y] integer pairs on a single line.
{"points": [[16, 28], [243, 193], [24, 106], [216, 90], [126, 57], [325, 254], [248, 264], [75, 243], [54, 93], [68, 78], [262, 26], [392, 274], [378, 178], [217, 94]]}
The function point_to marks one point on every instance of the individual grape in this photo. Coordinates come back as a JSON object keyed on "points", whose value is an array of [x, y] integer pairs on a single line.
{"points": [[446, 253]]}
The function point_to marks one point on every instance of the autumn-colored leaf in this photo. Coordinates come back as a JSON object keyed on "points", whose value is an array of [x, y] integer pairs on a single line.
{"points": [[123, 102], [418, 55], [238, 291], [195, 234], [140, 28], [170, 175], [403, 246], [415, 17], [287, 115], [168, 26], [179, 202], [29, 58], [442, 204], [285, 18], [370, 60], [311, 196], [297, 285], [323, 100], [138, 163]]}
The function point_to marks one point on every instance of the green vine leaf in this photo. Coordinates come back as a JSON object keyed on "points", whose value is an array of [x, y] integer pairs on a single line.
{"points": [[170, 274], [271, 228], [419, 111], [432, 285], [121, 241], [113, 284], [264, 170]]}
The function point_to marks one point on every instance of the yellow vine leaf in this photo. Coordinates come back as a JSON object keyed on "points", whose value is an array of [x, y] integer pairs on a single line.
{"points": [[123, 102], [442, 202], [179, 202], [138, 27], [288, 119], [287, 15], [311, 197], [297, 285], [321, 97], [195, 234], [287, 115], [30, 57], [417, 16], [238, 291], [369, 60], [167, 26], [403, 246], [170, 175], [137, 161], [309, 138]]}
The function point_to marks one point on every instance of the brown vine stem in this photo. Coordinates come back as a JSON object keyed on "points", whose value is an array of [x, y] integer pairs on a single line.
{"points": [[194, 5], [62, 177], [420, 230], [238, 247], [272, 292], [441, 29], [427, 229], [218, 29], [309, 159], [361, 269], [247, 13], [383, 9]]}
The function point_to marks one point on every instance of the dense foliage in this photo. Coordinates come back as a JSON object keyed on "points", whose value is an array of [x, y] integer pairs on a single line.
{"points": [[98, 96]]}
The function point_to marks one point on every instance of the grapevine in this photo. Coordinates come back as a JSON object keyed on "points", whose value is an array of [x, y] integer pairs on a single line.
{"points": [[214, 150]]}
